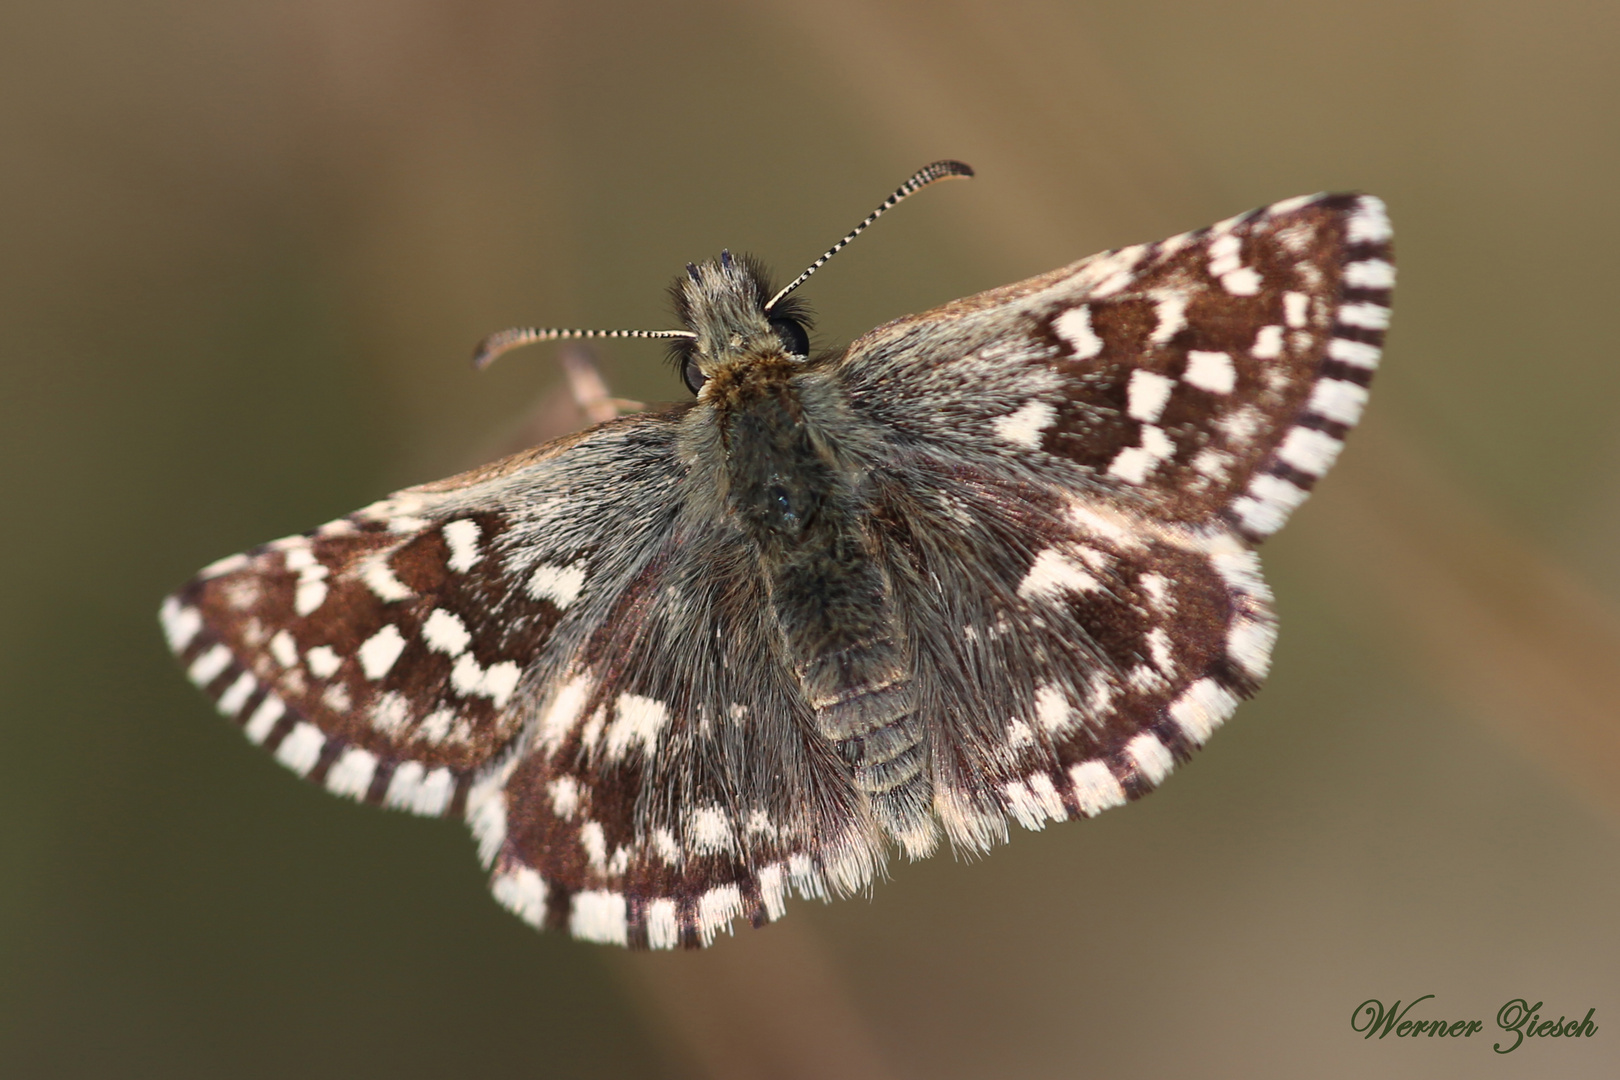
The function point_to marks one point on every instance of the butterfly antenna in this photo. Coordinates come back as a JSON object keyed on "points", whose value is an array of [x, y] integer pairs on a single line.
{"points": [[504, 340], [939, 170]]}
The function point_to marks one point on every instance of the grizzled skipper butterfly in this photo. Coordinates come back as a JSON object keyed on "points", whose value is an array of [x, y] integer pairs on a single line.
{"points": [[992, 561]]}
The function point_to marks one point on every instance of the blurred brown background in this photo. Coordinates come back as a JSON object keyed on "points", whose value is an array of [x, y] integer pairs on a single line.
{"points": [[244, 252]]}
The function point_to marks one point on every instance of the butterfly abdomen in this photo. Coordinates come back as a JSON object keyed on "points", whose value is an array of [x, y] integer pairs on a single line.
{"points": [[830, 598]]}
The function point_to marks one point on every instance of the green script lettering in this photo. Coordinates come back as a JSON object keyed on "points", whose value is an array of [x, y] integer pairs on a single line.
{"points": [[1378, 1018], [1512, 1017]]}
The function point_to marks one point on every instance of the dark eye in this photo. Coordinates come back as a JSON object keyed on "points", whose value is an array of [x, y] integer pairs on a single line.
{"points": [[691, 374], [794, 339]]}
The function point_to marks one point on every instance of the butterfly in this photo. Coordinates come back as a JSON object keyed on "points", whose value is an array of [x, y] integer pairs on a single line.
{"points": [[994, 562]]}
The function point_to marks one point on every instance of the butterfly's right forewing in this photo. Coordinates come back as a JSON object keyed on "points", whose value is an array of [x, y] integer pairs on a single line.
{"points": [[674, 781], [394, 654], [572, 650]]}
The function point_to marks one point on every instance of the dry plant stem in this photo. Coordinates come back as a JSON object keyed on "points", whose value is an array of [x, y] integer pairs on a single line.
{"points": [[768, 1004], [1499, 629], [584, 400], [590, 391]]}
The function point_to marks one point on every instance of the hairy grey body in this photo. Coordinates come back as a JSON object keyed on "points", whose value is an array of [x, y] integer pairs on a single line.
{"points": [[796, 485]]}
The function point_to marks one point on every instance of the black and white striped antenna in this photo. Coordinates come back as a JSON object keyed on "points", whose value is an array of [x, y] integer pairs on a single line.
{"points": [[928, 174], [503, 340]]}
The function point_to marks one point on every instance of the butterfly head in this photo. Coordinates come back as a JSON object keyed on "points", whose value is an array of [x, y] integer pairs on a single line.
{"points": [[726, 305]]}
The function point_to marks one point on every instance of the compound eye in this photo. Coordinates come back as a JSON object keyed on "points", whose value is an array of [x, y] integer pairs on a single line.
{"points": [[792, 335], [692, 375]]}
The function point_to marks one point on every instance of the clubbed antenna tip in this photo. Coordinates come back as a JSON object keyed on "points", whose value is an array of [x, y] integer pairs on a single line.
{"points": [[928, 174]]}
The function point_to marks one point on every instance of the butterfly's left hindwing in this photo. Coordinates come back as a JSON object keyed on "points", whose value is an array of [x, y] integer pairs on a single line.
{"points": [[1079, 659]]}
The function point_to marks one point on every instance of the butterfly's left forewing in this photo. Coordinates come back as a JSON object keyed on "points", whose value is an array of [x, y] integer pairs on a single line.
{"points": [[1215, 373]]}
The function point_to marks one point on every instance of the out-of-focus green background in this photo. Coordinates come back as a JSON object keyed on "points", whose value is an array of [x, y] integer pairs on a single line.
{"points": [[245, 249]]}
